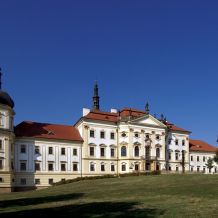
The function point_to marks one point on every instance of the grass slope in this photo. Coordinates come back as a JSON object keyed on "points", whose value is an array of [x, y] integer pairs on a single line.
{"points": [[144, 196]]}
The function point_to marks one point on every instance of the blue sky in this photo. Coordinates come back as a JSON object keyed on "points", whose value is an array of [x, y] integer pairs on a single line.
{"points": [[165, 52]]}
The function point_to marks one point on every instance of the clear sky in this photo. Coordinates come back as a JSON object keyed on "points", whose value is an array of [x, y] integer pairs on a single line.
{"points": [[166, 52]]}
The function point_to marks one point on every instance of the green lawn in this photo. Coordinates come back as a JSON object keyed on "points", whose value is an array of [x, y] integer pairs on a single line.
{"points": [[143, 196]]}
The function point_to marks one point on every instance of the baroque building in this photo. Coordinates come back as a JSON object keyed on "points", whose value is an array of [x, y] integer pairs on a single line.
{"points": [[36, 155]]}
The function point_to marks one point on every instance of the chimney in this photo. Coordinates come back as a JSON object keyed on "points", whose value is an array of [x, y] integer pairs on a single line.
{"points": [[85, 111], [113, 110]]}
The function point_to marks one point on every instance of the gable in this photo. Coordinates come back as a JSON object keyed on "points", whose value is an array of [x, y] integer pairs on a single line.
{"points": [[148, 120]]}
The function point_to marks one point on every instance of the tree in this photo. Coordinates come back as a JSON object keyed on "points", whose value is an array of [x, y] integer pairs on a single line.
{"points": [[209, 163], [216, 157]]}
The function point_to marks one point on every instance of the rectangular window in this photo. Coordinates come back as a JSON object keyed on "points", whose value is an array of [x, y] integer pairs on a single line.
{"points": [[92, 134], [191, 158], [50, 167], [23, 181], [102, 167], [62, 151], [75, 166], [198, 169], [123, 167], [112, 135], [102, 134], [176, 156], [1, 144], [37, 166], [192, 169], [23, 149], [112, 168], [1, 164], [1, 119], [177, 168], [183, 142], [50, 181], [1, 179], [176, 142], [204, 158], [170, 168], [37, 151], [23, 166], [63, 167], [50, 150], [37, 181], [102, 152], [112, 152], [204, 170], [197, 158], [74, 152], [91, 151], [92, 167], [169, 155]]}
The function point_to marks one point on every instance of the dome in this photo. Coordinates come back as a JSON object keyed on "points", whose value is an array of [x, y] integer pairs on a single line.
{"points": [[6, 99]]}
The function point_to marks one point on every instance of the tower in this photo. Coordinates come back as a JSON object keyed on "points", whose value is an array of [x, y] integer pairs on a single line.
{"points": [[147, 108], [6, 139], [96, 98]]}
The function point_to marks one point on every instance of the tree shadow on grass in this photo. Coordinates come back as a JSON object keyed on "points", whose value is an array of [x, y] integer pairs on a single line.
{"points": [[39, 200], [95, 209]]}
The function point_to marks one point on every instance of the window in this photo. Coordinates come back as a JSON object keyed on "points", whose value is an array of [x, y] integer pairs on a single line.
{"points": [[112, 152], [157, 152], [37, 166], [169, 155], [204, 158], [102, 152], [136, 135], [50, 167], [75, 166], [62, 151], [92, 133], [102, 167], [50, 150], [198, 169], [191, 158], [192, 169], [23, 166], [177, 142], [123, 134], [112, 168], [123, 151], [37, 181], [123, 167], [50, 181], [136, 167], [23, 149], [63, 167], [37, 151], [157, 137], [1, 179], [197, 158], [91, 151], [176, 156], [1, 144], [177, 168], [112, 135], [136, 151], [102, 134], [183, 142], [147, 136], [215, 170], [74, 152], [204, 170], [92, 167], [12, 165], [23, 181], [1, 119], [1, 164], [170, 168]]}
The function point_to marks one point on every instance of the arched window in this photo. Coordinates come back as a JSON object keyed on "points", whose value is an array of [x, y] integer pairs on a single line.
{"points": [[136, 151], [147, 152], [123, 151], [157, 152]]}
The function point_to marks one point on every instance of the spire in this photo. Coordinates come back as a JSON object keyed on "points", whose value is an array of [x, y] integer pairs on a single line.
{"points": [[147, 108], [0, 78], [96, 97]]}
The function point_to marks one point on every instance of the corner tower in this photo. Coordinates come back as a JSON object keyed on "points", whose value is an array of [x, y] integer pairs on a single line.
{"points": [[6, 139]]}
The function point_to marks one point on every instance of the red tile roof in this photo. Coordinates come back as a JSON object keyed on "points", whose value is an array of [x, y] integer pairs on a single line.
{"points": [[103, 116], [198, 145], [132, 112], [47, 131], [174, 127]]}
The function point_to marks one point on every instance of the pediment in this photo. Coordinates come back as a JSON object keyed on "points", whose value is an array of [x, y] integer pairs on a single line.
{"points": [[148, 120]]}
